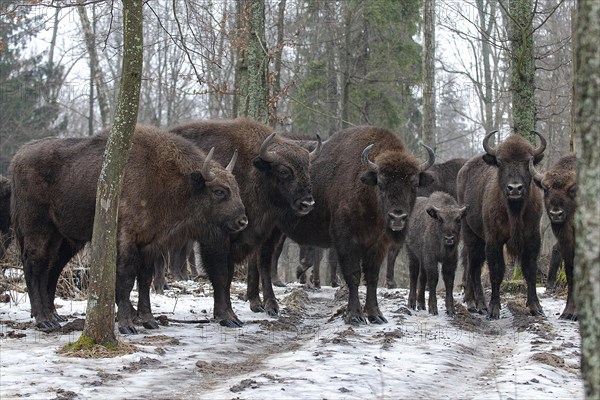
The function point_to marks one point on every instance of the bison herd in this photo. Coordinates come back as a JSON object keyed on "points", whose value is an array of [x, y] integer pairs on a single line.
{"points": [[239, 189]]}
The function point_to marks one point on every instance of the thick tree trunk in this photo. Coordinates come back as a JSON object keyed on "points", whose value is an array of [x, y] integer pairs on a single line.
{"points": [[522, 67], [277, 64], [429, 73], [258, 60], [587, 218], [100, 319]]}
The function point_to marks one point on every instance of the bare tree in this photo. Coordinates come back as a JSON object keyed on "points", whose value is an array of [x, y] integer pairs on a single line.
{"points": [[429, 73]]}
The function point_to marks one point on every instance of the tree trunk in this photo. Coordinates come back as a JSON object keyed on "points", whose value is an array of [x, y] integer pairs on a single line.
{"points": [[522, 67], [101, 87], [429, 73], [100, 319], [277, 64], [240, 98], [587, 219], [258, 60]]}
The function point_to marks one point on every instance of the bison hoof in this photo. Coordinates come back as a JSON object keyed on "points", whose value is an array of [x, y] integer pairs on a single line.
{"points": [[257, 308], [272, 312], [334, 284], [377, 319], [279, 283], [48, 325], [493, 315], [450, 313], [433, 312], [391, 285], [356, 320], [58, 318], [231, 323], [150, 324], [568, 316], [537, 312], [128, 330]]}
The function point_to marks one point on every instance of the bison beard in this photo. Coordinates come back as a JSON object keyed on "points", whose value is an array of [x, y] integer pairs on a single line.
{"points": [[171, 193], [503, 207], [274, 185], [560, 186], [360, 208]]}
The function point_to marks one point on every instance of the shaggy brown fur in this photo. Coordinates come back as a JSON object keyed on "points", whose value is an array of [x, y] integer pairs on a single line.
{"points": [[165, 201], [503, 207], [359, 212], [272, 190], [5, 234], [560, 187]]}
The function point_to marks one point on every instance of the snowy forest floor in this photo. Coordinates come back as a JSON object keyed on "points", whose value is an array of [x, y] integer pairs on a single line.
{"points": [[308, 352]]}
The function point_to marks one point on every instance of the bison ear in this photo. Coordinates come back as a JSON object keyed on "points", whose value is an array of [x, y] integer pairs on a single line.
{"points": [[369, 178], [261, 164], [425, 179], [198, 180], [432, 212], [489, 159], [538, 158]]}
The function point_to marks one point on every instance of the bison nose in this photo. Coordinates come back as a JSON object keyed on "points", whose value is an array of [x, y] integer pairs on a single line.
{"points": [[556, 215], [239, 224], [515, 190], [449, 240], [305, 205], [397, 220]]}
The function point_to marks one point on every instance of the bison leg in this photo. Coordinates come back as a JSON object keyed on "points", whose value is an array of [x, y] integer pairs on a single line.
{"points": [[178, 265], [413, 270], [529, 268], [431, 270], [349, 261], [144, 313], [275, 261], [127, 265], [264, 268], [391, 264], [332, 258], [65, 253], [316, 271], [475, 256], [495, 259], [422, 284], [448, 274], [252, 287], [371, 267], [555, 261], [159, 282], [570, 311]]}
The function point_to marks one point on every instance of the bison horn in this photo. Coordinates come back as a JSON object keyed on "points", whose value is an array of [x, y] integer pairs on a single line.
{"points": [[486, 146], [542, 145], [537, 176], [365, 159], [206, 174], [231, 164], [263, 153], [315, 153], [430, 160]]}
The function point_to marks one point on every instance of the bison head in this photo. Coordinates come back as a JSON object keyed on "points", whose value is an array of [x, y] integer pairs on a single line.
{"points": [[449, 219], [285, 165], [397, 175], [223, 193], [560, 187], [511, 158]]}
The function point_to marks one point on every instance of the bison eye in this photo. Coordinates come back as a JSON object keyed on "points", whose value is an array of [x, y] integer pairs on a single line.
{"points": [[283, 173], [219, 193], [572, 192]]}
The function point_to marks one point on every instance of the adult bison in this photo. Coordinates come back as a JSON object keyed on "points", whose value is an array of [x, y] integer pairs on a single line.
{"points": [[559, 184], [433, 239], [360, 208], [444, 180], [503, 207], [172, 193], [5, 234], [275, 186]]}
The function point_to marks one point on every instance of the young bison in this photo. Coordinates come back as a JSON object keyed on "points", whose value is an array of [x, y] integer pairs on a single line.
{"points": [[172, 193], [433, 238]]}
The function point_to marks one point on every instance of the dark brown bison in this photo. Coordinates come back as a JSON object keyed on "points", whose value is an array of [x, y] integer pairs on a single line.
{"points": [[559, 184], [275, 186], [172, 193], [433, 238], [503, 207], [360, 208], [444, 180], [173, 262], [5, 232]]}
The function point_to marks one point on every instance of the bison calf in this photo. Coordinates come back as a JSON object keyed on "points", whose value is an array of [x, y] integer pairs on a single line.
{"points": [[433, 238], [560, 186], [172, 193]]}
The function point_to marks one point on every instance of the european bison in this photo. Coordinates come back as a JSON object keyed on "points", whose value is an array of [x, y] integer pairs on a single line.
{"points": [[503, 207], [275, 187], [5, 234], [172, 193], [433, 238], [444, 180], [560, 187], [360, 207]]}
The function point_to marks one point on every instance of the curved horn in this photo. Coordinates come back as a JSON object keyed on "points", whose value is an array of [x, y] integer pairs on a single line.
{"points": [[431, 159], [231, 164], [315, 153], [208, 176], [263, 153], [542, 145], [365, 159], [537, 176], [486, 146]]}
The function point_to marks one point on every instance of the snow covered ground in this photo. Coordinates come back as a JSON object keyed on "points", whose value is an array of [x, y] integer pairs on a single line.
{"points": [[306, 353]]}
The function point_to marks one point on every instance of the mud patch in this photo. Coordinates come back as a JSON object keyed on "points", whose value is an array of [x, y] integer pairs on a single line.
{"points": [[143, 364], [550, 359], [341, 337]]}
